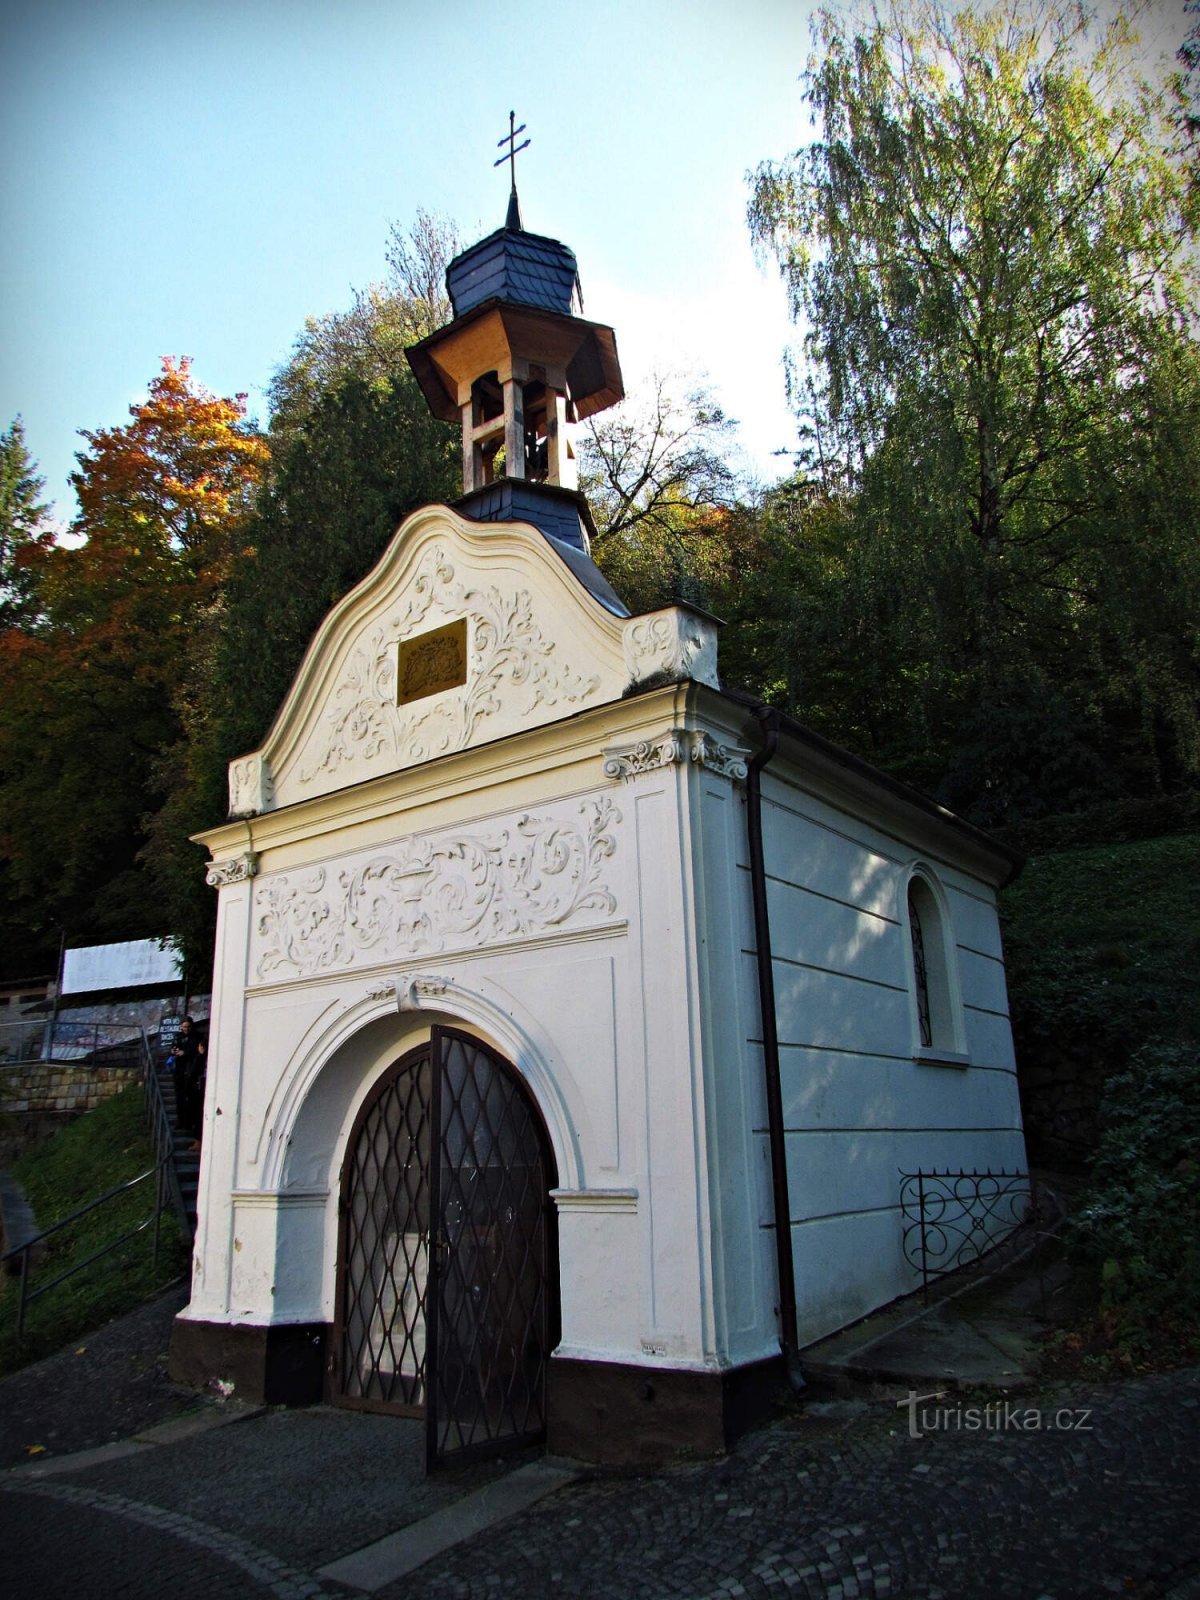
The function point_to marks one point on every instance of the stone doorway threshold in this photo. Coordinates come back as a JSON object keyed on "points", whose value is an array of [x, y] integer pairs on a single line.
{"points": [[398, 1554]]}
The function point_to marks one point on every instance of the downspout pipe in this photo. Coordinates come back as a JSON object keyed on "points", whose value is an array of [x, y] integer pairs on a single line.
{"points": [[788, 1337]]}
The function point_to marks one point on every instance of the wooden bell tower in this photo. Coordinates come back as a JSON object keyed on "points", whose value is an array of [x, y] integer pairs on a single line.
{"points": [[519, 365]]}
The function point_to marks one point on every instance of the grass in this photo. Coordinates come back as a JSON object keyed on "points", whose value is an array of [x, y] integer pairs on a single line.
{"points": [[94, 1154]]}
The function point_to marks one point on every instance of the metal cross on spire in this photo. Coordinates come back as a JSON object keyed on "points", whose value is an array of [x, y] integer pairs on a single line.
{"points": [[514, 149]]}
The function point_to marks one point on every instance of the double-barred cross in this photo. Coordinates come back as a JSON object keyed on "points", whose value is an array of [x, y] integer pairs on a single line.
{"points": [[510, 139]]}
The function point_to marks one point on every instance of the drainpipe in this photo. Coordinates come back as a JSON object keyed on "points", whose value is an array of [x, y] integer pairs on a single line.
{"points": [[788, 1337]]}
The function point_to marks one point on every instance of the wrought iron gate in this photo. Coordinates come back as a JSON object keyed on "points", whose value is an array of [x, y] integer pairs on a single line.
{"points": [[447, 1270]]}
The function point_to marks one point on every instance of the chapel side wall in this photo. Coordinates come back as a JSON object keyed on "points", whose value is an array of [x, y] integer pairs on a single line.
{"points": [[739, 1181], [858, 1108]]}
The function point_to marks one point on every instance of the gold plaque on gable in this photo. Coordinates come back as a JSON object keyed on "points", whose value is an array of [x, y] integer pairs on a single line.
{"points": [[432, 662]]}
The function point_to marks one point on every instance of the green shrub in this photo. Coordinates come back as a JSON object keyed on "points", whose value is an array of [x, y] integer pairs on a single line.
{"points": [[1103, 953], [1112, 822], [1137, 1232]]}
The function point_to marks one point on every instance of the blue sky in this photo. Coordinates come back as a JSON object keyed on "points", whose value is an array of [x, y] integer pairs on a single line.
{"points": [[198, 176]]}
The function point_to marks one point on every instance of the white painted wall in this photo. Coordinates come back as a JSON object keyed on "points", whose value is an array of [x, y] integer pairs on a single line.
{"points": [[862, 1101], [563, 931], [567, 878]]}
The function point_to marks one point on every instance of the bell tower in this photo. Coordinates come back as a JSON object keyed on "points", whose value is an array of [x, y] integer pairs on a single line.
{"points": [[518, 366]]}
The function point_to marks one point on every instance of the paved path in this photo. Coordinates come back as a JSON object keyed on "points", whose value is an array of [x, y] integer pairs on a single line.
{"points": [[839, 1501]]}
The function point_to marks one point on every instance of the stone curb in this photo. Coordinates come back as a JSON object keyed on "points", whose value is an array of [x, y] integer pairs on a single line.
{"points": [[169, 1432], [398, 1554]]}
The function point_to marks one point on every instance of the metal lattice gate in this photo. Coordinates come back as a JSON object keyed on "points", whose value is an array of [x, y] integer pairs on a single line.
{"points": [[446, 1264]]}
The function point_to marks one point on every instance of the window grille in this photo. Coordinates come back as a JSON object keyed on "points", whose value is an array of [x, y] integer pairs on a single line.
{"points": [[920, 973]]}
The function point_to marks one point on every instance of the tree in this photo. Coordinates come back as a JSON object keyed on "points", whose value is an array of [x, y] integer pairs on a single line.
{"points": [[656, 474], [990, 242], [349, 461], [1189, 60], [354, 449], [92, 699], [992, 222], [369, 340], [22, 520], [417, 261]]}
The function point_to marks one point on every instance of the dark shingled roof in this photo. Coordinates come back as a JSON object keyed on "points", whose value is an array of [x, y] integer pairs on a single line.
{"points": [[562, 517], [521, 268]]}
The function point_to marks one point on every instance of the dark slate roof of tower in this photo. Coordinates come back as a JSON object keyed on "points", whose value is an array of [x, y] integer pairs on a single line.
{"points": [[522, 268], [561, 515]]}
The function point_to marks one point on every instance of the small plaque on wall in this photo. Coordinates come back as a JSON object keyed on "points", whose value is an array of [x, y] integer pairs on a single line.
{"points": [[432, 662]]}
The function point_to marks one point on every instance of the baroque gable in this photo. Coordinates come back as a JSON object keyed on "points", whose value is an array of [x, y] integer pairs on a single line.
{"points": [[463, 633]]}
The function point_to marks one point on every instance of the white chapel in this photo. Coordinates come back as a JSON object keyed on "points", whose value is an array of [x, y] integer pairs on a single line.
{"points": [[574, 1015]]}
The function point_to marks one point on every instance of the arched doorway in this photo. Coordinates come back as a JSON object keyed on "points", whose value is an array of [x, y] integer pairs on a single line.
{"points": [[447, 1302]]}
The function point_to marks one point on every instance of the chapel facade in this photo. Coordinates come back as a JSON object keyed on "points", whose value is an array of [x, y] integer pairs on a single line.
{"points": [[573, 1014]]}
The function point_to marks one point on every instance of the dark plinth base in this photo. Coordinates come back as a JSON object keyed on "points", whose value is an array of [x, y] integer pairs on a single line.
{"points": [[599, 1411], [279, 1365], [643, 1416]]}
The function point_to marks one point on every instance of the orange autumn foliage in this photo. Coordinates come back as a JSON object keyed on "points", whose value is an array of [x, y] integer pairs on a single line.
{"points": [[94, 692]]}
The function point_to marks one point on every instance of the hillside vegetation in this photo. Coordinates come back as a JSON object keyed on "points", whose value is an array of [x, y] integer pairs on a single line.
{"points": [[94, 1154], [1103, 945]]}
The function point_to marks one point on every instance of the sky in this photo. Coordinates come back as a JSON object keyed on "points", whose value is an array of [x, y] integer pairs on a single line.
{"points": [[197, 177]]}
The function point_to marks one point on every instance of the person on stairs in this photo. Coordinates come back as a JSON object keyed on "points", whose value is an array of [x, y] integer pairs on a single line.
{"points": [[190, 1065]]}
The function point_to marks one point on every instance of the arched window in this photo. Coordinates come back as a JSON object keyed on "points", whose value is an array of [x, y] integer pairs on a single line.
{"points": [[920, 971], [938, 1031]]}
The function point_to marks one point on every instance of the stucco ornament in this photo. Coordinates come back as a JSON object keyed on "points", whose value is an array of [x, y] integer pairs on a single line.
{"points": [[441, 893], [236, 871], [509, 656], [410, 990], [728, 761], [672, 746], [646, 756], [672, 645], [251, 790]]}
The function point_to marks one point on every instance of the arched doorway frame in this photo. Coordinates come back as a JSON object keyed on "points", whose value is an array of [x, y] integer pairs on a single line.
{"points": [[309, 1117], [447, 1283]]}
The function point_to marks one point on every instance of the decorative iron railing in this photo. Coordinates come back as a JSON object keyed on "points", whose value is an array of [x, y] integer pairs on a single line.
{"points": [[953, 1219]]}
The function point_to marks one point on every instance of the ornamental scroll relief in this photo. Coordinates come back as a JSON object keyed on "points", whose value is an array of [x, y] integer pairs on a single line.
{"points": [[222, 873], [677, 745], [507, 652], [251, 788], [410, 990], [438, 894]]}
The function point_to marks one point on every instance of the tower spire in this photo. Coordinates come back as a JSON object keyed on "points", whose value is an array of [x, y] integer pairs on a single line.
{"points": [[513, 219]]}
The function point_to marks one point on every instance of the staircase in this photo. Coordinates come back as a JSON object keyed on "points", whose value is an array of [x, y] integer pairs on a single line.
{"points": [[185, 1160]]}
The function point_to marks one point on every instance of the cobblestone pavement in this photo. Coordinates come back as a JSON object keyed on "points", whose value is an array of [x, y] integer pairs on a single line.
{"points": [[840, 1501], [106, 1385], [847, 1504]]}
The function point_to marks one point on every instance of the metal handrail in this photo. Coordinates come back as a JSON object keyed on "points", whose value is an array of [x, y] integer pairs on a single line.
{"points": [[26, 1295], [38, 1041], [167, 1190], [162, 1133]]}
